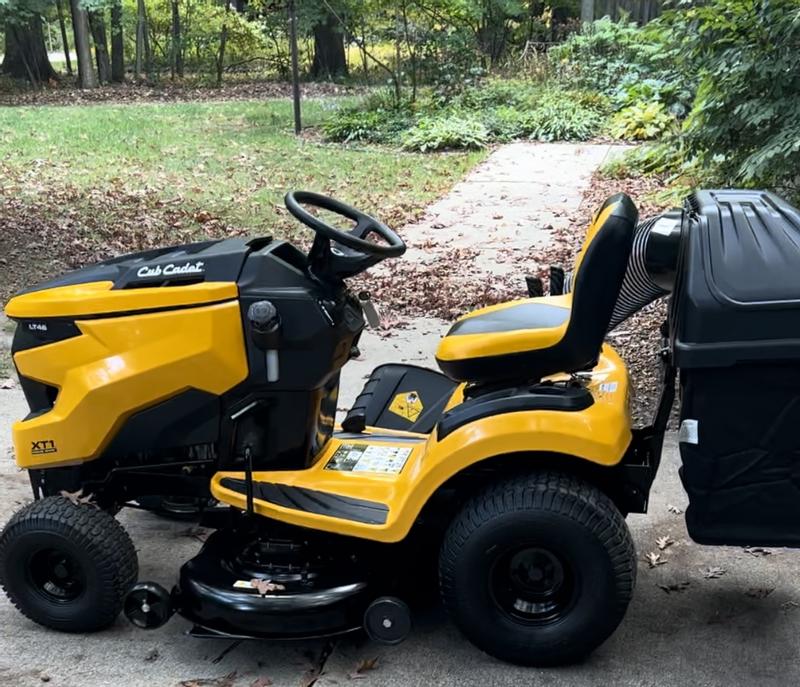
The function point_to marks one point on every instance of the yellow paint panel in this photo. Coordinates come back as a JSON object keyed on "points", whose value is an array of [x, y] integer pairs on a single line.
{"points": [[97, 298], [465, 346], [599, 434], [121, 365]]}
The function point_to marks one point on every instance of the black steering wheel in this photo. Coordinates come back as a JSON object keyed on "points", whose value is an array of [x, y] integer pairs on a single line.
{"points": [[340, 253]]}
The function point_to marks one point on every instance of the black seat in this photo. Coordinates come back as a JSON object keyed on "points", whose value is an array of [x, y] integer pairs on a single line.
{"points": [[535, 337]]}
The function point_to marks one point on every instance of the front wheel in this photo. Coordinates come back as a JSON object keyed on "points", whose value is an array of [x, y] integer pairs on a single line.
{"points": [[538, 570], [66, 566]]}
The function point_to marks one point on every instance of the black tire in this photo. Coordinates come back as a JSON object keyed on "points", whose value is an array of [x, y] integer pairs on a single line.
{"points": [[538, 570], [66, 566]]}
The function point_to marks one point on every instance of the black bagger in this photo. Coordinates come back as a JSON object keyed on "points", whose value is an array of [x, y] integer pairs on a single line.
{"points": [[735, 336]]}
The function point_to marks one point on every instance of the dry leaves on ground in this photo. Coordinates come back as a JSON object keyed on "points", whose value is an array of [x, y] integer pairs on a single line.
{"points": [[654, 559], [675, 587], [363, 668], [222, 681], [714, 572], [261, 682], [64, 92], [757, 551], [759, 592], [77, 498], [664, 542]]}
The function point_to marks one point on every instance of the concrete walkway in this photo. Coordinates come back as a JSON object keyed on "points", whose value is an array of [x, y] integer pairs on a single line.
{"points": [[740, 629]]}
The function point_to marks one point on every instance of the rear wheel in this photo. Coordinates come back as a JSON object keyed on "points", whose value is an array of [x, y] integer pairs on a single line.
{"points": [[66, 566], [538, 570]]}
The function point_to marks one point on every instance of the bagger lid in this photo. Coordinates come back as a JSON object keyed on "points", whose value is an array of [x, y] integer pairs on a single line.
{"points": [[737, 294]]}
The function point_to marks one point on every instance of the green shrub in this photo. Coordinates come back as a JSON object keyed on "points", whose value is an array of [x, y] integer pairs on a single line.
{"points": [[506, 123], [642, 121], [381, 125], [744, 127], [446, 131], [560, 117], [626, 63]]}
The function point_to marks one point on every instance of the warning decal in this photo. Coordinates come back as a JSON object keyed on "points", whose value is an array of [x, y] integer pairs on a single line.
{"points": [[407, 404], [366, 458]]}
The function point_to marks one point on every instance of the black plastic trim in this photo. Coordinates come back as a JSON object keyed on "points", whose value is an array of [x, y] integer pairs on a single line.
{"points": [[569, 399], [313, 501]]}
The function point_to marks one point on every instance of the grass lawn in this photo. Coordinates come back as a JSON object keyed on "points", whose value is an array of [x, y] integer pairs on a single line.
{"points": [[231, 160]]}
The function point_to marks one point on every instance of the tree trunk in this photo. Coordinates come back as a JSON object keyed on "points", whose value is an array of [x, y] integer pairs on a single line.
{"points": [[329, 57], [117, 44], [587, 11], [25, 52], [177, 42], [97, 23], [80, 28], [144, 58], [64, 42], [223, 40]]}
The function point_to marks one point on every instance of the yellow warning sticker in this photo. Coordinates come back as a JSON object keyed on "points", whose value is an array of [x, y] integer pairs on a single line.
{"points": [[407, 405]]}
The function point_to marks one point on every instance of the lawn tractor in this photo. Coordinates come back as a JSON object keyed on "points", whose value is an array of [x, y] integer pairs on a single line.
{"points": [[210, 371]]}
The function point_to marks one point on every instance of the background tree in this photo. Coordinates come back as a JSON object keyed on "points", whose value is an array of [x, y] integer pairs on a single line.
{"points": [[176, 43], [87, 78], [117, 43], [25, 52], [62, 25], [97, 24], [330, 59]]}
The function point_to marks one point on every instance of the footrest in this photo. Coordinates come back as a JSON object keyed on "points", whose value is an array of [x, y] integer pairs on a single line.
{"points": [[401, 397], [312, 501]]}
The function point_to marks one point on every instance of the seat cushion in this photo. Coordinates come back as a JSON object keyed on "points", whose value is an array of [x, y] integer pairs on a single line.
{"points": [[506, 329]]}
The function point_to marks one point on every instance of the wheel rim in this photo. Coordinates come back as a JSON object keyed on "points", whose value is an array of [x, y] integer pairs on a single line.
{"points": [[56, 575], [532, 585]]}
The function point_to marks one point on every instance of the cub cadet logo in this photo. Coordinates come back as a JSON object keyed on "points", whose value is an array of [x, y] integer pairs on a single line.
{"points": [[44, 446], [171, 270]]}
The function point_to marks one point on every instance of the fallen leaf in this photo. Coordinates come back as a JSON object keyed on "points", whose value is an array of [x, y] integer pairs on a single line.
{"points": [[152, 655], [77, 498], [222, 681], [757, 551], [264, 587], [789, 605], [712, 573], [674, 509], [9, 383], [363, 667], [654, 559], [261, 682], [759, 592], [664, 542], [674, 587]]}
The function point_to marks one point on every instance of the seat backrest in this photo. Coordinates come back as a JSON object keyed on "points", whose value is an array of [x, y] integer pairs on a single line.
{"points": [[597, 280]]}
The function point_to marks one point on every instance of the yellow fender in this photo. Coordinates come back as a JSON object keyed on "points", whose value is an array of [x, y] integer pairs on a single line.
{"points": [[599, 434]]}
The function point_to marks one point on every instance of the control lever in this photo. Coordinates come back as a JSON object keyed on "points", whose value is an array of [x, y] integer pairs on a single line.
{"points": [[557, 277], [535, 287], [370, 311]]}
